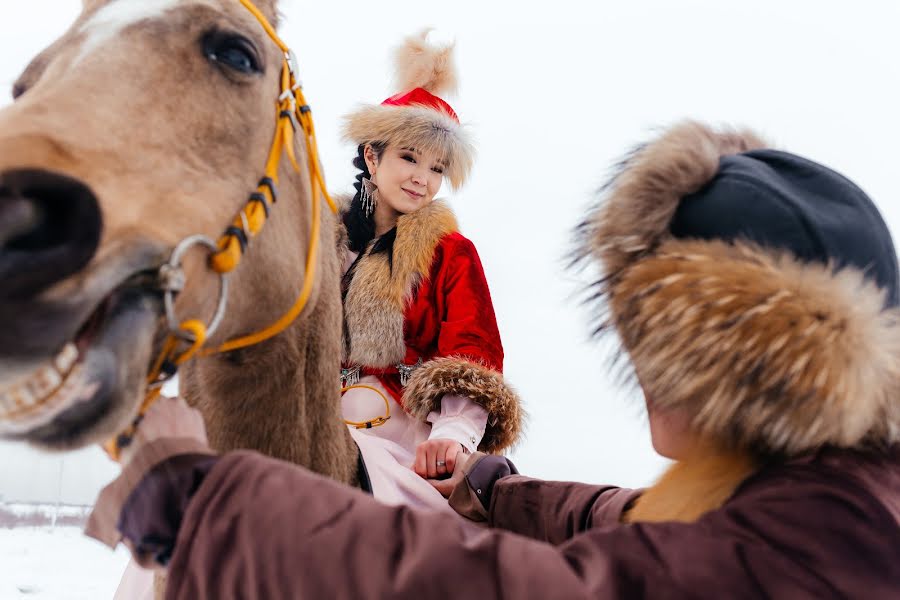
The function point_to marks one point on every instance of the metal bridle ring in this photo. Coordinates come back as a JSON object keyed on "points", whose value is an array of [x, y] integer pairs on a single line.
{"points": [[169, 294]]}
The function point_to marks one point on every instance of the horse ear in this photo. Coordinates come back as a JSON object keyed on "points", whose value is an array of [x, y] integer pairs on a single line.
{"points": [[90, 5], [270, 9]]}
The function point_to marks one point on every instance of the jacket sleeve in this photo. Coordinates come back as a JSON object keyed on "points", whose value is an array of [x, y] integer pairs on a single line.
{"points": [[459, 419], [260, 528], [551, 511], [469, 326], [566, 508], [469, 354]]}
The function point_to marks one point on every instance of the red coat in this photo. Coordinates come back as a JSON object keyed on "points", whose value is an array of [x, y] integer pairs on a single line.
{"points": [[429, 301], [451, 313]]}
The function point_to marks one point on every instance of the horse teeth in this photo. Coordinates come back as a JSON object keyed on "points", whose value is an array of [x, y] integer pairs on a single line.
{"points": [[66, 358], [40, 387], [6, 403], [45, 381]]}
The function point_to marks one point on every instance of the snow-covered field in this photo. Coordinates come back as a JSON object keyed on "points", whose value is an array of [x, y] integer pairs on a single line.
{"points": [[47, 562]]}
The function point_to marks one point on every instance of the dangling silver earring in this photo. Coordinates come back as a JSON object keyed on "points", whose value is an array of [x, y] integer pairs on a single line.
{"points": [[367, 196]]}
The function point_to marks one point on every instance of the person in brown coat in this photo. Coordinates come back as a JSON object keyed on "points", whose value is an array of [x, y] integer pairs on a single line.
{"points": [[755, 295]]}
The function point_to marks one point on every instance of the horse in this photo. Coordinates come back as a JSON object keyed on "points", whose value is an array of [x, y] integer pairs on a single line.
{"points": [[136, 137]]}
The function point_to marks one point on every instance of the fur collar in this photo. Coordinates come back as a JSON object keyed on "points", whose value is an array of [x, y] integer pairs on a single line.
{"points": [[692, 487], [378, 294]]}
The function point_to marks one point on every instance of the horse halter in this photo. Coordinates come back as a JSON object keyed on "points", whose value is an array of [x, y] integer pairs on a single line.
{"points": [[293, 113]]}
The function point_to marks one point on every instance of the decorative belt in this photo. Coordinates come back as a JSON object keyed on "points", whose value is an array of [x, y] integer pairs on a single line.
{"points": [[350, 376]]}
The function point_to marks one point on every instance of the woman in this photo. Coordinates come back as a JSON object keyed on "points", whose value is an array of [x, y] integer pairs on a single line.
{"points": [[422, 353], [756, 294]]}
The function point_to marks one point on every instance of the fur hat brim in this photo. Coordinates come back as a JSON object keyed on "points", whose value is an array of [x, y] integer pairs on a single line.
{"points": [[424, 129]]}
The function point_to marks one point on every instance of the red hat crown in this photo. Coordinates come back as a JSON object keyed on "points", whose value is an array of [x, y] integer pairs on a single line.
{"points": [[421, 97]]}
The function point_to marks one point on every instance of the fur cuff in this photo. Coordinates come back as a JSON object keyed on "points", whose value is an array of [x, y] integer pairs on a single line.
{"points": [[482, 385]]}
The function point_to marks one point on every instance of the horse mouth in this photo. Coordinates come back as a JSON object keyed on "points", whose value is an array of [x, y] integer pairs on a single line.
{"points": [[92, 386]]}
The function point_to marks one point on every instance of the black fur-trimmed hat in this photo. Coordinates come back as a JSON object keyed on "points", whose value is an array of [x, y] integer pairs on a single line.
{"points": [[754, 288]]}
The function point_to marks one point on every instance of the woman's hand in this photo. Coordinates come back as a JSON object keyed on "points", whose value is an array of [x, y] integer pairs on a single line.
{"points": [[436, 458], [167, 418], [446, 486]]}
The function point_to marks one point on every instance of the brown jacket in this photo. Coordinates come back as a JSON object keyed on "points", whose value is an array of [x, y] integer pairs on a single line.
{"points": [[826, 526]]}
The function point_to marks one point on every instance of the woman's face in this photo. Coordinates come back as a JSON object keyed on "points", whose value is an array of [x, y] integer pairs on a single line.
{"points": [[407, 179], [670, 431]]}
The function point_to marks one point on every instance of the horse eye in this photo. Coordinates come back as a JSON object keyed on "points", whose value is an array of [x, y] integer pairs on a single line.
{"points": [[232, 51]]}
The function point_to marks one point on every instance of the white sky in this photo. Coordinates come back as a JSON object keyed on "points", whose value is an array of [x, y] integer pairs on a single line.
{"points": [[555, 93]]}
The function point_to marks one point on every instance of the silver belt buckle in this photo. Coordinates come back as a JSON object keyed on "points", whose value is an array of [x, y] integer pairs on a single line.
{"points": [[350, 377], [407, 370]]}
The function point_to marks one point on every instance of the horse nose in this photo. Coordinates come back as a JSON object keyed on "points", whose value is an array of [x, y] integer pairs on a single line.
{"points": [[50, 228]]}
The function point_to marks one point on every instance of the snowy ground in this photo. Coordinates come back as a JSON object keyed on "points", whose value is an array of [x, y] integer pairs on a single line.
{"points": [[54, 563]]}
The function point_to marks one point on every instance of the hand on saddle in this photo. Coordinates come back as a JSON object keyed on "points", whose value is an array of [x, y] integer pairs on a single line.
{"points": [[436, 459], [167, 418]]}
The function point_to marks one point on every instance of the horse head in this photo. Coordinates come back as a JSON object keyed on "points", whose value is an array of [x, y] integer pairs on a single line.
{"points": [[147, 122]]}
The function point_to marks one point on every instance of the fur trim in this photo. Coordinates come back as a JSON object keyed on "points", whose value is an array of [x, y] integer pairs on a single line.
{"points": [[692, 487], [768, 353], [484, 386], [418, 64], [642, 198], [417, 127], [378, 295]]}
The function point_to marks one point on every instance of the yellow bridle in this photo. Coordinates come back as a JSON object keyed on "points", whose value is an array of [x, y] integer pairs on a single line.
{"points": [[292, 113]]}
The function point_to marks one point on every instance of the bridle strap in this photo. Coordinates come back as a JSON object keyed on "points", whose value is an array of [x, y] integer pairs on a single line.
{"points": [[292, 113]]}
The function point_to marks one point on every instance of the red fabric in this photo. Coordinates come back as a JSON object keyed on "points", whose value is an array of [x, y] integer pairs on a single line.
{"points": [[451, 313], [421, 97]]}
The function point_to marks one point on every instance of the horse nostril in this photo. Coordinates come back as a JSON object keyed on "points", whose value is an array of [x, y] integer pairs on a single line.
{"points": [[49, 228], [17, 216]]}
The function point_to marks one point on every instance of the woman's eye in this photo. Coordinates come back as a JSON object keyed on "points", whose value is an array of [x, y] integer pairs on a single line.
{"points": [[438, 170], [409, 158], [232, 51]]}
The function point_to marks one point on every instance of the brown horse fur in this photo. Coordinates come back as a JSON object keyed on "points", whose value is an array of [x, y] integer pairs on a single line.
{"points": [[172, 144]]}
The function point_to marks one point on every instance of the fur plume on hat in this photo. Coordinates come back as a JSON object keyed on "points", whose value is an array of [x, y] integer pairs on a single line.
{"points": [[407, 119], [419, 64]]}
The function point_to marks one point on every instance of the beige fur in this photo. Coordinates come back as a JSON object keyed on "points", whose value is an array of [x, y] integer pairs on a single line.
{"points": [[418, 64], [416, 127], [378, 296], [484, 386]]}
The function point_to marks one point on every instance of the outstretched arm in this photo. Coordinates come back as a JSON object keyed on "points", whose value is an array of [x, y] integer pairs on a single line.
{"points": [[488, 489], [256, 527]]}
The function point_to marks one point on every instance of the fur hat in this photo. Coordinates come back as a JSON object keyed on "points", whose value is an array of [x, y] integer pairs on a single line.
{"points": [[416, 117], [754, 289]]}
